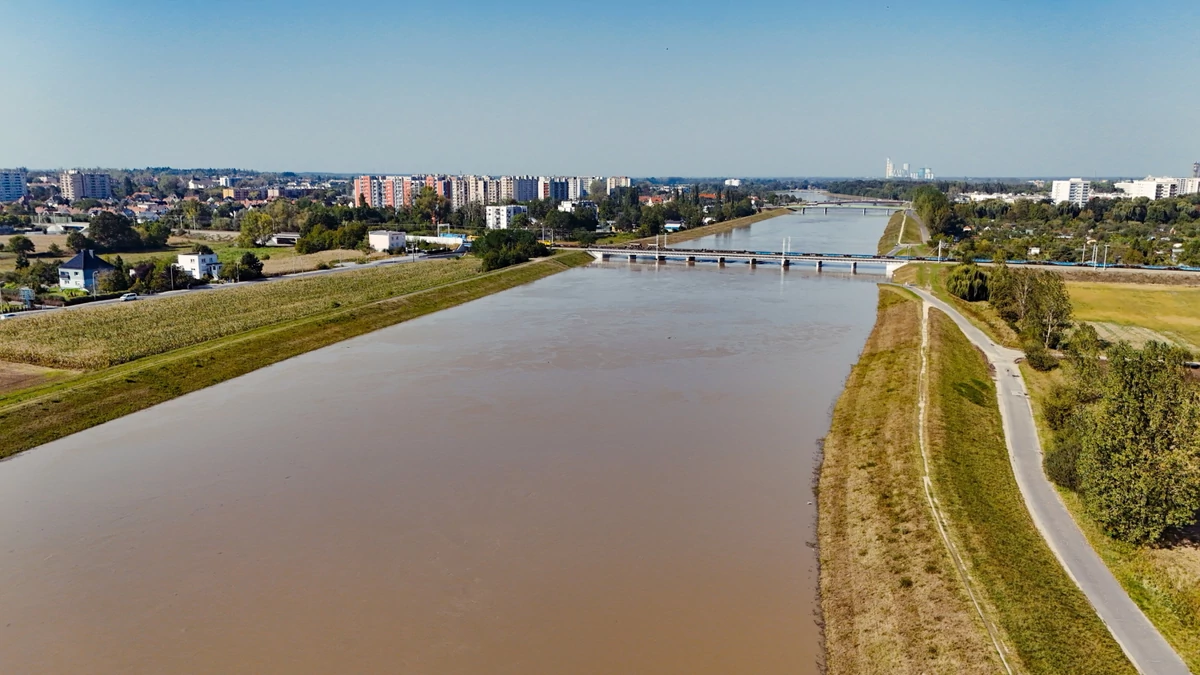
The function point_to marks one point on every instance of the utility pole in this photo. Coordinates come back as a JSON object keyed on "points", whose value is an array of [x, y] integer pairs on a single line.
{"points": [[1105, 256]]}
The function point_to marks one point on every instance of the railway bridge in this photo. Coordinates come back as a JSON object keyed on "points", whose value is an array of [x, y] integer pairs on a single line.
{"points": [[852, 262]]}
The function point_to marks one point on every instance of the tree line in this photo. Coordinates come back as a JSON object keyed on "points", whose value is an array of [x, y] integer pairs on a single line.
{"points": [[1125, 421]]}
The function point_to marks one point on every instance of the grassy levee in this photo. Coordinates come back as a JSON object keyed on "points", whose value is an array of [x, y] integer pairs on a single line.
{"points": [[1048, 621], [1163, 581], [933, 277], [899, 233], [714, 228], [42, 414], [891, 599]]}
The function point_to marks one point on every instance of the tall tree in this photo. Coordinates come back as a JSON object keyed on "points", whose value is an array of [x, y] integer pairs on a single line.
{"points": [[1139, 462]]}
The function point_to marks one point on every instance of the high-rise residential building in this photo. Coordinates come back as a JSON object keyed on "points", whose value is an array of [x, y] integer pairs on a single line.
{"points": [[1076, 191], [557, 189], [889, 171], [1195, 169], [13, 184], [615, 182], [1151, 187], [225, 181], [577, 187], [1189, 186], [500, 217], [459, 196], [77, 185]]}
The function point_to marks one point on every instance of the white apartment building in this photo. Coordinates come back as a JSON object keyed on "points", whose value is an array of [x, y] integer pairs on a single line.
{"points": [[573, 206], [615, 182], [733, 182], [1151, 187], [557, 189], [1076, 191], [76, 185], [500, 217], [12, 184], [386, 240], [577, 187], [199, 265], [1187, 186]]}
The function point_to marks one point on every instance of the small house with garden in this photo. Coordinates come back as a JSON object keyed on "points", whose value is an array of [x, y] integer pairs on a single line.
{"points": [[83, 270]]}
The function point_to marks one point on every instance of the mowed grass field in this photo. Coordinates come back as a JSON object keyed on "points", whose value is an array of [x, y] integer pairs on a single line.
{"points": [[1173, 311], [891, 598], [1047, 621], [38, 415]]}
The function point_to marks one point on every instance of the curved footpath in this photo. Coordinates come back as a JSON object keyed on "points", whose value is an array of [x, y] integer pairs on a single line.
{"points": [[1145, 647]]}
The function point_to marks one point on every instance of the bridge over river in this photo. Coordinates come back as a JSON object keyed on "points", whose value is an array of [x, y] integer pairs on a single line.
{"points": [[877, 264]]}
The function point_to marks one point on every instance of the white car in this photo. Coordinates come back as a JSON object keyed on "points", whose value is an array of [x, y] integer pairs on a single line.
{"points": [[8, 315], [128, 297]]}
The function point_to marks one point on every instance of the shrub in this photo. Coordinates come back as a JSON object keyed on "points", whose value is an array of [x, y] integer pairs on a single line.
{"points": [[1038, 357], [1062, 460]]}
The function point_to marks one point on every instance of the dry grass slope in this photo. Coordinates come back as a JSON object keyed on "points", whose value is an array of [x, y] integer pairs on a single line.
{"points": [[1047, 620], [891, 599]]}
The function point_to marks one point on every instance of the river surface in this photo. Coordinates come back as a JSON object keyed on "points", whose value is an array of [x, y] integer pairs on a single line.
{"points": [[606, 471], [842, 230]]}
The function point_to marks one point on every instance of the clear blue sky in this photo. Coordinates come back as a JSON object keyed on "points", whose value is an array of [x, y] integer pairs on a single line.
{"points": [[745, 88]]}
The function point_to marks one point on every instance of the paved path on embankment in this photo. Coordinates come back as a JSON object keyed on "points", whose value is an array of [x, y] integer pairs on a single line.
{"points": [[1145, 647]]}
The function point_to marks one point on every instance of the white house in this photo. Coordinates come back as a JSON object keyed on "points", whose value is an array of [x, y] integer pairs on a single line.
{"points": [[500, 217], [199, 265], [577, 205], [83, 271], [386, 240]]}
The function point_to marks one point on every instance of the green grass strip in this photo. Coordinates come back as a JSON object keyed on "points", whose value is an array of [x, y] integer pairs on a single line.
{"points": [[1049, 621]]}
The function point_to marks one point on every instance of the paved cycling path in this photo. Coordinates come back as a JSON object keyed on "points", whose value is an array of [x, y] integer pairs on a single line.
{"points": [[1142, 642]]}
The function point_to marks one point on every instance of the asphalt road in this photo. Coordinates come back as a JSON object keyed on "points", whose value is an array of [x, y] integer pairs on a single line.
{"points": [[1143, 644], [216, 287]]}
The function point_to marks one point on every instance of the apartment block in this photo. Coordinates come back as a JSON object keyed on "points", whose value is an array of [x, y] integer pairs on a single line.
{"points": [[1076, 191], [615, 182], [13, 184], [500, 217], [78, 185]]}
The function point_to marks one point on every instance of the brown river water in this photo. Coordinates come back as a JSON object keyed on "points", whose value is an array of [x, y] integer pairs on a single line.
{"points": [[606, 471]]}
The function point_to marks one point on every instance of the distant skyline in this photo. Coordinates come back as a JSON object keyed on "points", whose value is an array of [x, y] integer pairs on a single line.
{"points": [[757, 88]]}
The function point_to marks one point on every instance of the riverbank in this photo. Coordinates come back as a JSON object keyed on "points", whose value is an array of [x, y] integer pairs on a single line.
{"points": [[40, 414], [910, 588], [891, 599], [901, 231]]}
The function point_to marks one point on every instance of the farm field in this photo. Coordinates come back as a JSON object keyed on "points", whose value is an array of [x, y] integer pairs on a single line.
{"points": [[1173, 311], [105, 336]]}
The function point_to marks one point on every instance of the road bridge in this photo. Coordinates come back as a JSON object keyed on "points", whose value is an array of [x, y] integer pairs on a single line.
{"points": [[824, 207], [843, 261]]}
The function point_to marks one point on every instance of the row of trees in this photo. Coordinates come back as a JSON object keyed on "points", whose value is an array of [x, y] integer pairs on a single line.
{"points": [[1035, 303], [501, 248]]}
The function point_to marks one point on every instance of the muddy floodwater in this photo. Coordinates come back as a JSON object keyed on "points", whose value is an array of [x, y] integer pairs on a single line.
{"points": [[606, 471]]}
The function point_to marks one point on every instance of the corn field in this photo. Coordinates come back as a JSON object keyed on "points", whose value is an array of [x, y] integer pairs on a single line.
{"points": [[98, 337]]}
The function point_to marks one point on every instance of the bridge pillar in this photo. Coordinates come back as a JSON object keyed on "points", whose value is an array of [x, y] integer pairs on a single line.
{"points": [[660, 258], [854, 267], [691, 260], [864, 212], [632, 257], [721, 261], [604, 256], [786, 263], [826, 210], [819, 265], [753, 262]]}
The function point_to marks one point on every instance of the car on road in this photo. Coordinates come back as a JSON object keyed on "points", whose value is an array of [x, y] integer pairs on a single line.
{"points": [[127, 297], [7, 315]]}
